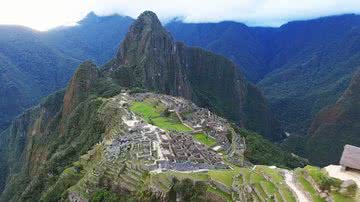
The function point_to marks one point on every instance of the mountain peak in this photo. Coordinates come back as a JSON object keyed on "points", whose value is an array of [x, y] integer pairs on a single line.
{"points": [[91, 14], [149, 15], [149, 58], [146, 33], [89, 18], [83, 79], [147, 19]]}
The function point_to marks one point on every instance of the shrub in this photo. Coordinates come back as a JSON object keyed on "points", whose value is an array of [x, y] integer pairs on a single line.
{"points": [[103, 195]]}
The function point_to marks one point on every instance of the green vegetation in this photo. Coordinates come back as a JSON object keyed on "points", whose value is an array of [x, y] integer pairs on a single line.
{"points": [[220, 193], [190, 191], [322, 178], [103, 195], [277, 182], [336, 126], [68, 178], [308, 187], [262, 152], [200, 176], [223, 176], [205, 139], [341, 198], [153, 113]]}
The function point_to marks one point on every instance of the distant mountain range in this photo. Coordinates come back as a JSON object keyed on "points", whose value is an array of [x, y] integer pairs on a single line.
{"points": [[301, 67], [29, 70], [34, 64]]}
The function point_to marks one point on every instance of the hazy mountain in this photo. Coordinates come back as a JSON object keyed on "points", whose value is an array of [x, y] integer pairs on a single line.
{"points": [[301, 66], [34, 64], [29, 69], [314, 62], [93, 38]]}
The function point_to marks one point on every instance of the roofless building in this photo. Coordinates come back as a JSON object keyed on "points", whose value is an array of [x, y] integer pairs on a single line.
{"points": [[350, 157]]}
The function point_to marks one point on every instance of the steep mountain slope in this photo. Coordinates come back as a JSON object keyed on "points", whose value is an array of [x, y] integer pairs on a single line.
{"points": [[34, 64], [29, 69], [51, 135], [315, 61], [302, 66], [335, 126], [149, 58], [245, 46], [93, 38]]}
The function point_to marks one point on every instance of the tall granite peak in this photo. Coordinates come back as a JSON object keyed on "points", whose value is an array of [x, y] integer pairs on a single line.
{"points": [[89, 18], [148, 18], [149, 58], [147, 32], [79, 85]]}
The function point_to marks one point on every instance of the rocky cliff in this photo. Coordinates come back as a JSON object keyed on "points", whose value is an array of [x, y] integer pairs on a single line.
{"points": [[335, 126], [44, 139]]}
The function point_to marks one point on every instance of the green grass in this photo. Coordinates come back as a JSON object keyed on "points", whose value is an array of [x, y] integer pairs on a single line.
{"points": [[223, 176], [260, 190], [152, 113], [269, 186], [170, 124], [309, 188], [272, 173], [278, 181], [205, 139], [145, 109], [314, 172], [198, 176], [341, 198], [220, 193], [256, 178]]}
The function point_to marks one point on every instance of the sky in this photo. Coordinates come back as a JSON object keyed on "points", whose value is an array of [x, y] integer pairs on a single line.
{"points": [[45, 14]]}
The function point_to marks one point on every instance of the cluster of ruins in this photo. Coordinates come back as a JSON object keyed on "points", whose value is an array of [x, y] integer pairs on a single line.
{"points": [[161, 149]]}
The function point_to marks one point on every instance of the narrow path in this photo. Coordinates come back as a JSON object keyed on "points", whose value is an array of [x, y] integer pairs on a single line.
{"points": [[289, 179], [182, 121]]}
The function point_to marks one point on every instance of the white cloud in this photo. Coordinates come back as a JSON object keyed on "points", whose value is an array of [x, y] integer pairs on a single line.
{"points": [[44, 14]]}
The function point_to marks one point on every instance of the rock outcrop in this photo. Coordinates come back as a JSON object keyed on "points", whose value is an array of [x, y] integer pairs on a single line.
{"points": [[77, 90], [149, 58]]}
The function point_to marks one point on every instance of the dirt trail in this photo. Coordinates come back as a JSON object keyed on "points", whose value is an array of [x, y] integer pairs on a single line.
{"points": [[289, 179]]}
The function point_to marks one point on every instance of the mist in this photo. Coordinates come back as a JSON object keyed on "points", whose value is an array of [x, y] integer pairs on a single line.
{"points": [[44, 14]]}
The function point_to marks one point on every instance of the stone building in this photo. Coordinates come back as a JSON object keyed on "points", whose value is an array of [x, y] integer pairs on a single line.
{"points": [[350, 157]]}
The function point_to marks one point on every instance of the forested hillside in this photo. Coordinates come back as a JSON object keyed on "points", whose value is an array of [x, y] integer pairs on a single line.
{"points": [[34, 64], [301, 66], [335, 126], [93, 38], [29, 70]]}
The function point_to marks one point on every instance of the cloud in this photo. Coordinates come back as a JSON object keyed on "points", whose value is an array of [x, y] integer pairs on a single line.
{"points": [[253, 12], [43, 14]]}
